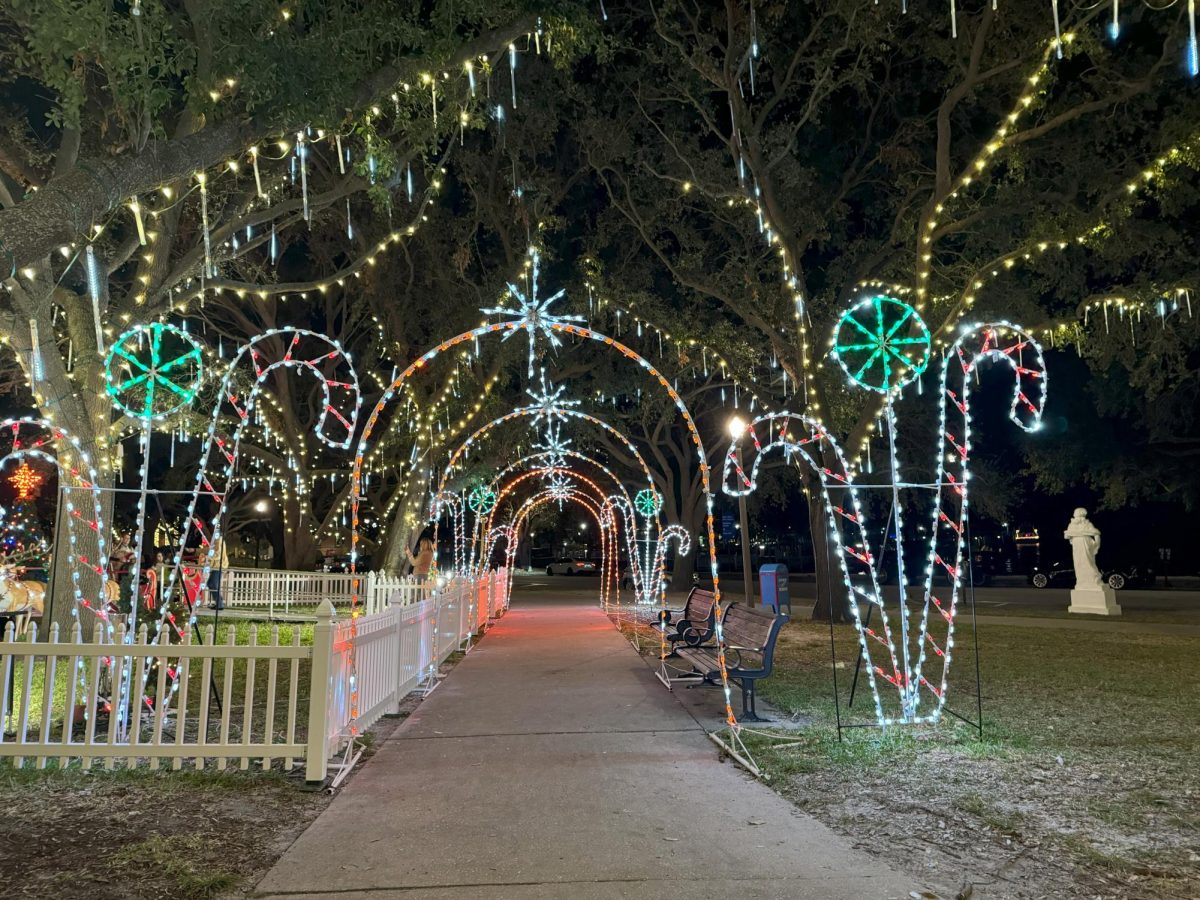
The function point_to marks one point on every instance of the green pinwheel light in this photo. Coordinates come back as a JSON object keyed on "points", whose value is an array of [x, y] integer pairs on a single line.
{"points": [[647, 502], [881, 344], [481, 500], [153, 370]]}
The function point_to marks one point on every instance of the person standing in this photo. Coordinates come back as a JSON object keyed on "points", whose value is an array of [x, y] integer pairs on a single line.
{"points": [[220, 562], [121, 560], [422, 561]]}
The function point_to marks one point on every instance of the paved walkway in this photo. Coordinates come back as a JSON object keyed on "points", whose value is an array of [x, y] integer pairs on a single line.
{"points": [[551, 763]]}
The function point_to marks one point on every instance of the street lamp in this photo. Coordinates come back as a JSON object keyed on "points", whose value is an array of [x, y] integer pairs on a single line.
{"points": [[261, 507], [737, 428]]}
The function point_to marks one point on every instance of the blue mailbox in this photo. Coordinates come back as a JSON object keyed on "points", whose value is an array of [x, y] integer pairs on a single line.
{"points": [[773, 587]]}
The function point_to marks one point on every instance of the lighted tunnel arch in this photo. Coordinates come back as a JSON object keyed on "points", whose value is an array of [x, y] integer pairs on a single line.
{"points": [[553, 327], [530, 457], [610, 561], [608, 502]]}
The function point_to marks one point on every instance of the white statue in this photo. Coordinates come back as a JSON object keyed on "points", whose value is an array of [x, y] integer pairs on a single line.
{"points": [[1085, 544], [1091, 595]]}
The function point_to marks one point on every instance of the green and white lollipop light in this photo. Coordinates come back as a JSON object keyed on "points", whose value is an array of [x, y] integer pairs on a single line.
{"points": [[150, 372], [882, 344]]}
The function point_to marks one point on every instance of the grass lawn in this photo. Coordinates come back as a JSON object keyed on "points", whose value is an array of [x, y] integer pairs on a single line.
{"points": [[1086, 782]]}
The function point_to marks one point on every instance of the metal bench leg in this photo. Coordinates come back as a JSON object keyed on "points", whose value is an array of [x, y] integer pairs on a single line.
{"points": [[749, 710]]}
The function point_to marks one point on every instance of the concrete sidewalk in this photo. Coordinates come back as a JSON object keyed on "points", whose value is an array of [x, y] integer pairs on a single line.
{"points": [[551, 763]]}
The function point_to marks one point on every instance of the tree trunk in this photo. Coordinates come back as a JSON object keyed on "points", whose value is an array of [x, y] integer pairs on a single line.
{"points": [[832, 598], [685, 566], [80, 406]]}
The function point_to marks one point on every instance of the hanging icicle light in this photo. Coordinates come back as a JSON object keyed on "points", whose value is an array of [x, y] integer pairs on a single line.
{"points": [[36, 370], [136, 208], [512, 71], [208, 263], [1193, 54], [94, 289], [302, 155]]}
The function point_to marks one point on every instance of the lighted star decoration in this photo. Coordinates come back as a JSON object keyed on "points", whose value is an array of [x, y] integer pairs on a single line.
{"points": [[548, 403], [531, 314], [550, 472], [559, 488], [554, 445], [26, 481]]}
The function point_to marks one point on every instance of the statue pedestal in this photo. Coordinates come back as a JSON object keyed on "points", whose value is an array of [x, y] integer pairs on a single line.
{"points": [[1095, 601]]}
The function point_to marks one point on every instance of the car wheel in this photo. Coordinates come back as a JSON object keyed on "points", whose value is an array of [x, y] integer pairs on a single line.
{"points": [[549, 570], [1040, 580], [1116, 581], [570, 571]]}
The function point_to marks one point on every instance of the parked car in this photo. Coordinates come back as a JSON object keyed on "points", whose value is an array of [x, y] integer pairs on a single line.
{"points": [[1063, 575], [627, 577], [571, 565], [983, 567]]}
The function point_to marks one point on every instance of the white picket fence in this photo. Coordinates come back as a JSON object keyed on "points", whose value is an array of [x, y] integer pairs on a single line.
{"points": [[266, 698], [281, 590]]}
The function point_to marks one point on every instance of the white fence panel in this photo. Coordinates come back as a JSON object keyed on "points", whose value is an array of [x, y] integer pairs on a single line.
{"points": [[256, 588], [62, 691], [381, 657]]}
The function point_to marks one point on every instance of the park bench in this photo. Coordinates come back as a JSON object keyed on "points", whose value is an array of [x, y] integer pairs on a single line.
{"points": [[695, 622], [749, 652]]}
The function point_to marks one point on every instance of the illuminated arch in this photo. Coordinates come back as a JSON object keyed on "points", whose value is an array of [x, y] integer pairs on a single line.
{"points": [[610, 561], [480, 432], [554, 327], [608, 503], [528, 458]]}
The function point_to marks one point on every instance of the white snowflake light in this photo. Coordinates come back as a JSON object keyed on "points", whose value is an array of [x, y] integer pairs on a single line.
{"points": [[554, 445], [548, 403], [559, 487], [532, 315]]}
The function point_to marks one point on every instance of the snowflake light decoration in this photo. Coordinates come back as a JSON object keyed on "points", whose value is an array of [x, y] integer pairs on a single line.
{"points": [[881, 344], [554, 445], [559, 488], [482, 499], [153, 370], [549, 403], [532, 315]]}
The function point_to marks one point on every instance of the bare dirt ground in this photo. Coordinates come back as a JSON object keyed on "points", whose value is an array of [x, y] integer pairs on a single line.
{"points": [[148, 835]]}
